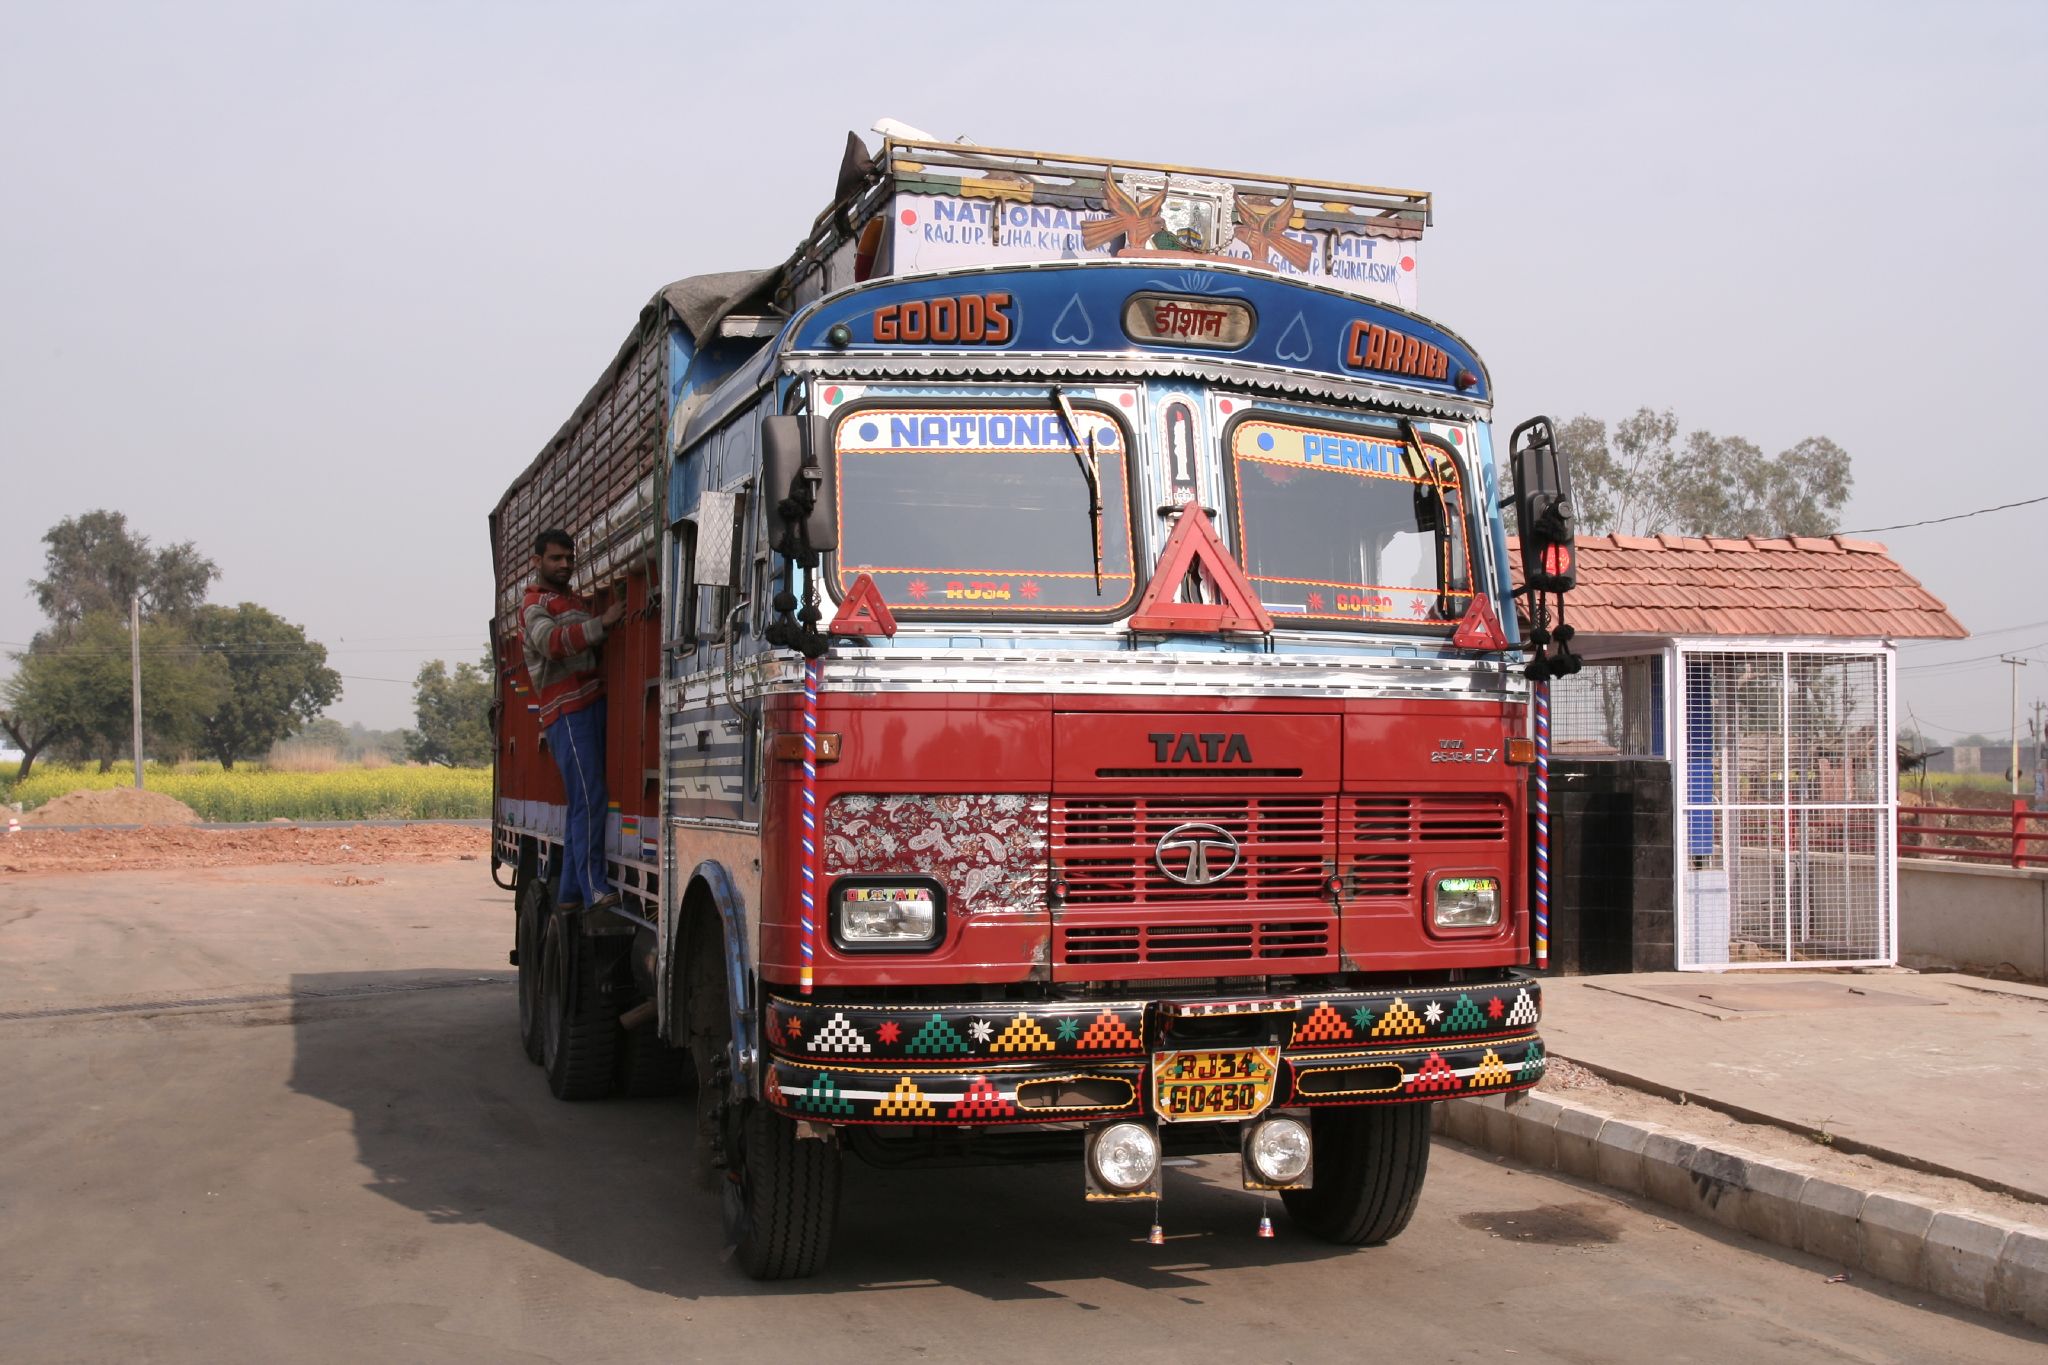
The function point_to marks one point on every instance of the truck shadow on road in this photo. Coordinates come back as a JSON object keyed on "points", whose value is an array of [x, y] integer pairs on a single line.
{"points": [[453, 1122]]}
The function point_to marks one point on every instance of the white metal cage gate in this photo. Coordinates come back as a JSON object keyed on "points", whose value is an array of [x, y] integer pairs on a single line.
{"points": [[1786, 807]]}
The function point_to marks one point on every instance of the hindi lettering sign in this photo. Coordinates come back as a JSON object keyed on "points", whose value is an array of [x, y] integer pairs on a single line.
{"points": [[1177, 320]]}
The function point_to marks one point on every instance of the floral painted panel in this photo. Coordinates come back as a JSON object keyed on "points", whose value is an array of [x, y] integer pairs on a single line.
{"points": [[989, 851]]}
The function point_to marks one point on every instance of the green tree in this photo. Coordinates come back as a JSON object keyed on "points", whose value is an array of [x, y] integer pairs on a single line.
{"points": [[82, 689], [31, 730], [454, 713], [277, 679], [392, 744], [1639, 480], [94, 563]]}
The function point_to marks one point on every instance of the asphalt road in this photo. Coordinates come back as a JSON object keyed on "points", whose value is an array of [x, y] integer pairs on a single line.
{"points": [[344, 1156]]}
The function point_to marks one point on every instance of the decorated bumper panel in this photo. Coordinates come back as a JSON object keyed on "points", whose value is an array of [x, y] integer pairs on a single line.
{"points": [[1048, 1094], [981, 1064], [1030, 1094], [1388, 1077], [941, 1036]]}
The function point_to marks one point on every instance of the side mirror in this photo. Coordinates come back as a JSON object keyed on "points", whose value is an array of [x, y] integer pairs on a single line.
{"points": [[800, 502], [1543, 508]]}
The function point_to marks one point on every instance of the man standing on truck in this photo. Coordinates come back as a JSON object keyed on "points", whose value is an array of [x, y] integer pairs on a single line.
{"points": [[562, 636]]}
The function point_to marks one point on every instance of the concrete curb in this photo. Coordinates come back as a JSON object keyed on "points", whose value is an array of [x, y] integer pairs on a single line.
{"points": [[1972, 1259]]}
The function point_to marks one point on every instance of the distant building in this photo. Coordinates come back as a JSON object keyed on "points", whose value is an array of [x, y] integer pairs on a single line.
{"points": [[1984, 758]]}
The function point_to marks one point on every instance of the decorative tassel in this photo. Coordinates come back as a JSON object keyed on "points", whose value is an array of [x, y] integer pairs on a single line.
{"points": [[1156, 1237], [1265, 1226]]}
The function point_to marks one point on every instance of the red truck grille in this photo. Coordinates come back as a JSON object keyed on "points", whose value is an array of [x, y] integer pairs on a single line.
{"points": [[1104, 846], [1122, 915], [1382, 836], [1201, 941]]}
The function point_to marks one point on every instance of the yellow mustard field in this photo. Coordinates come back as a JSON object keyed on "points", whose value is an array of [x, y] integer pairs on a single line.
{"points": [[251, 792]]}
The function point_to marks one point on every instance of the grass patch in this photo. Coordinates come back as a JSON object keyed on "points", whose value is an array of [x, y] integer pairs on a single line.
{"points": [[252, 792]]}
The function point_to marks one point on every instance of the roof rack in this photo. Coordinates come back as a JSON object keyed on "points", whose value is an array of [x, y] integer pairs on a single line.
{"points": [[1327, 230]]}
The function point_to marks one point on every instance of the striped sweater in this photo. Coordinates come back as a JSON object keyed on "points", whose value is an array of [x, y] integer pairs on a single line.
{"points": [[562, 635]]}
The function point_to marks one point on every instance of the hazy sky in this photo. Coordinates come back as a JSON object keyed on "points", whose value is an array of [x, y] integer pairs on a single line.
{"points": [[309, 284]]}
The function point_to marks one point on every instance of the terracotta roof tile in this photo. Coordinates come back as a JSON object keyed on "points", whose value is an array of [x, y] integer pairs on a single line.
{"points": [[1636, 585]]}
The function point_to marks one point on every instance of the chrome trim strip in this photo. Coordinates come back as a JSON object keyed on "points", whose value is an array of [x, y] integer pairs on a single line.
{"points": [[1124, 367]]}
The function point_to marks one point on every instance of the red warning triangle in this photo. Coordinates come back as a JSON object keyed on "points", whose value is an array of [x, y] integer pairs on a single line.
{"points": [[1194, 548], [1480, 629], [863, 612]]}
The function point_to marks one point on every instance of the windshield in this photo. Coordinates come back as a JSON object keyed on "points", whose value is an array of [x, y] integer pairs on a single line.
{"points": [[1344, 525], [985, 510]]}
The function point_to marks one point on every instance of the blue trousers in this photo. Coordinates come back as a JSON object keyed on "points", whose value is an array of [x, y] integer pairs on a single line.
{"points": [[577, 741]]}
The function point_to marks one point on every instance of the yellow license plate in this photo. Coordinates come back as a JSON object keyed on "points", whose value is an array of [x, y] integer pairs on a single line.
{"points": [[1232, 1084]]}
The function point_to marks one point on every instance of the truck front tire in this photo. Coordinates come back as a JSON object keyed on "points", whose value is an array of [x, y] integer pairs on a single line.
{"points": [[781, 1196], [1369, 1167]]}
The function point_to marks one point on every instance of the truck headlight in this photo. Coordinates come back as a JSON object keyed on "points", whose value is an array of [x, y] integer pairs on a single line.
{"points": [[1466, 902], [887, 914]]}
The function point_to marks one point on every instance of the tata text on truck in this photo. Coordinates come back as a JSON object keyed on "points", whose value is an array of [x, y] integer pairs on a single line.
{"points": [[1071, 704]]}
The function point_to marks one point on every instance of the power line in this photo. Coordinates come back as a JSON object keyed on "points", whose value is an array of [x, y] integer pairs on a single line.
{"points": [[1974, 658], [1974, 635], [1936, 521]]}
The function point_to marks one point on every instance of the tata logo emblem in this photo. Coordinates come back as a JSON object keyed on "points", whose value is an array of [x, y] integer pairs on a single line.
{"points": [[1210, 748], [1197, 854]]}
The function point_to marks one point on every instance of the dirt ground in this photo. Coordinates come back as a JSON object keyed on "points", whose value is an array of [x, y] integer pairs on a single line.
{"points": [[270, 1114], [158, 847], [362, 848], [113, 806]]}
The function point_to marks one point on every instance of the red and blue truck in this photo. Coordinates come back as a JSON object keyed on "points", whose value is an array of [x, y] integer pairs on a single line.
{"points": [[1071, 703]]}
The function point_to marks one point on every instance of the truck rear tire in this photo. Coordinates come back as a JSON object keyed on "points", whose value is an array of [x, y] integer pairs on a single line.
{"points": [[781, 1196], [1369, 1167], [530, 914], [579, 1019], [650, 1069]]}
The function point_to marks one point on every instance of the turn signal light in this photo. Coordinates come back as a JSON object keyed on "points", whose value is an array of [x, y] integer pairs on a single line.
{"points": [[1521, 749]]}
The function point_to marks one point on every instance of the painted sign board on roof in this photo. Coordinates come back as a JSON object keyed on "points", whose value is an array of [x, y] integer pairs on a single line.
{"points": [[942, 232]]}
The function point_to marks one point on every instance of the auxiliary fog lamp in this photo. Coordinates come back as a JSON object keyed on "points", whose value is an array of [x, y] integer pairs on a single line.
{"points": [[1123, 1160], [1278, 1153]]}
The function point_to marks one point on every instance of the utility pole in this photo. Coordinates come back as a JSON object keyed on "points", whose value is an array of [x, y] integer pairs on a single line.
{"points": [[2017, 665], [2040, 752], [136, 676]]}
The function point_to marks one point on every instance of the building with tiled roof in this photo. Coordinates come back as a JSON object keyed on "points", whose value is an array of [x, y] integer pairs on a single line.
{"points": [[1723, 769]]}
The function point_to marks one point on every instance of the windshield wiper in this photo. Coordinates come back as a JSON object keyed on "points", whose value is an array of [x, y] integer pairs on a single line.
{"points": [[1091, 470], [1428, 470]]}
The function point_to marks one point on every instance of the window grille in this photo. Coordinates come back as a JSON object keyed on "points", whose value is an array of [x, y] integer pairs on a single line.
{"points": [[1612, 708], [1786, 809]]}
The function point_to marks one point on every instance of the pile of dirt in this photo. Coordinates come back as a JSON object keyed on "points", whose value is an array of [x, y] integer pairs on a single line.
{"points": [[113, 806], [102, 850]]}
